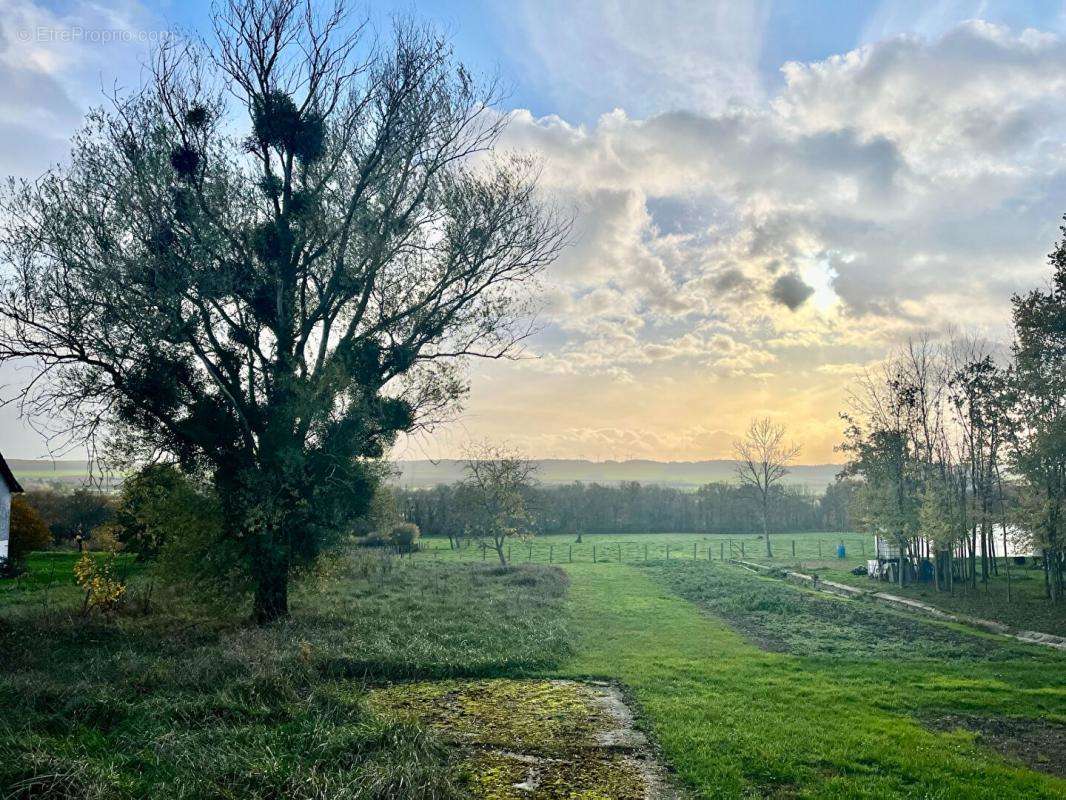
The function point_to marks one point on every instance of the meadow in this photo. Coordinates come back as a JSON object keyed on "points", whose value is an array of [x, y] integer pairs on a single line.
{"points": [[748, 686], [630, 548], [189, 700]]}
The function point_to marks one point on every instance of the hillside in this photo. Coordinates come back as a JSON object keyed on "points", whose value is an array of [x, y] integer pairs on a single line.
{"points": [[423, 474]]}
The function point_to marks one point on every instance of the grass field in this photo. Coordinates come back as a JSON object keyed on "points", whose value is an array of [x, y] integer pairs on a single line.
{"points": [[192, 702], [750, 686], [828, 717], [814, 552], [631, 548]]}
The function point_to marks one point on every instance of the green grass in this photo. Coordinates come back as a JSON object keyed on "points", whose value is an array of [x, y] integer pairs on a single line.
{"points": [[751, 687], [832, 719], [1028, 607], [189, 702], [631, 548], [814, 552]]}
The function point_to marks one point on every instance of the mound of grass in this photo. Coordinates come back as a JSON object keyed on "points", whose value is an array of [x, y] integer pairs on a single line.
{"points": [[184, 702]]}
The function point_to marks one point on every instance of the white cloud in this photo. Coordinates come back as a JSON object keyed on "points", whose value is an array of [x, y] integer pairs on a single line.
{"points": [[904, 185]]}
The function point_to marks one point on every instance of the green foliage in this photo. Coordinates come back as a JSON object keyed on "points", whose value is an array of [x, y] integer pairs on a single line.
{"points": [[404, 535], [631, 507], [1039, 389], [496, 490], [71, 514], [155, 503], [383, 513], [889, 498], [940, 515], [273, 311]]}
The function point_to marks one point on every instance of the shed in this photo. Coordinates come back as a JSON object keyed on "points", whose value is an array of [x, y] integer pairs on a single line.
{"points": [[8, 487]]}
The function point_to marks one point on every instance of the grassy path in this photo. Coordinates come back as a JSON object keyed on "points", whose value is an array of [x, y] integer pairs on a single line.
{"points": [[736, 721]]}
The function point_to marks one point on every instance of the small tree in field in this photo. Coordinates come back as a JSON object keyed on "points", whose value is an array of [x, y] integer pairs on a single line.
{"points": [[763, 457], [268, 263], [497, 483]]}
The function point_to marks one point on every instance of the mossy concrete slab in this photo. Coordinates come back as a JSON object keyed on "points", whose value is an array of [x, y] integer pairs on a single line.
{"points": [[536, 739]]}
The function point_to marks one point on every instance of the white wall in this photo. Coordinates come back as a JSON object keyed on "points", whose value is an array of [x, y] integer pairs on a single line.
{"points": [[5, 517]]}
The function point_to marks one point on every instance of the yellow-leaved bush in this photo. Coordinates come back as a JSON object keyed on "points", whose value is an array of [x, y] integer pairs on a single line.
{"points": [[96, 575]]}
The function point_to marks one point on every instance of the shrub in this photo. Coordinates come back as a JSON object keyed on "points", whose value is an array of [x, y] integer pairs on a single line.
{"points": [[404, 535], [105, 538], [28, 531], [374, 539], [96, 576]]}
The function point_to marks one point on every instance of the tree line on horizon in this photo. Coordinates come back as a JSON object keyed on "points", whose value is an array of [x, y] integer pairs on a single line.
{"points": [[632, 507]]}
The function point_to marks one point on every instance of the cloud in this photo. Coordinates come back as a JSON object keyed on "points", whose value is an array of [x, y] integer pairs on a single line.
{"points": [[728, 240], [54, 63], [924, 177], [790, 291]]}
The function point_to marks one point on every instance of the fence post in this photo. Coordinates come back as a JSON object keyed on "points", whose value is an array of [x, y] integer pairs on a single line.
{"points": [[619, 552], [742, 549], [571, 554], [551, 553], [668, 552], [484, 552], [819, 549], [693, 551], [721, 551], [530, 553], [645, 551], [793, 548], [593, 554]]}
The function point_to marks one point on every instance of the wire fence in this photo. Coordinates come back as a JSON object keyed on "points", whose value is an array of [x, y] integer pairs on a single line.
{"points": [[782, 548]]}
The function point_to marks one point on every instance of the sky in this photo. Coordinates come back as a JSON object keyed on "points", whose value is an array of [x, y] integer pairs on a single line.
{"points": [[769, 196]]}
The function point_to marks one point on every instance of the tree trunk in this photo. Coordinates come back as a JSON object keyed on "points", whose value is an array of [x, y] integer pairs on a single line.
{"points": [[499, 551], [766, 524], [271, 594]]}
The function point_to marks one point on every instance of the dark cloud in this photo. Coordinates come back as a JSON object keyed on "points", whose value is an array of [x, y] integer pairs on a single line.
{"points": [[730, 279], [789, 290]]}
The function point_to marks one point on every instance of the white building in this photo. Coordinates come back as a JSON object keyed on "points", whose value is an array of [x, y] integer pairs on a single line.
{"points": [[8, 487]]}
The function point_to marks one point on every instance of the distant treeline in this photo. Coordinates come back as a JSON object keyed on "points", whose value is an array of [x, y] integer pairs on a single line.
{"points": [[631, 507]]}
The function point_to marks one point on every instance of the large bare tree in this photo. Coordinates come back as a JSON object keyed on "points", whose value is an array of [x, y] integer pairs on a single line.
{"points": [[763, 456], [268, 261]]}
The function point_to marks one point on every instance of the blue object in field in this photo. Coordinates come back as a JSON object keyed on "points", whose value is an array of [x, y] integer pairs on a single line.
{"points": [[840, 550]]}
